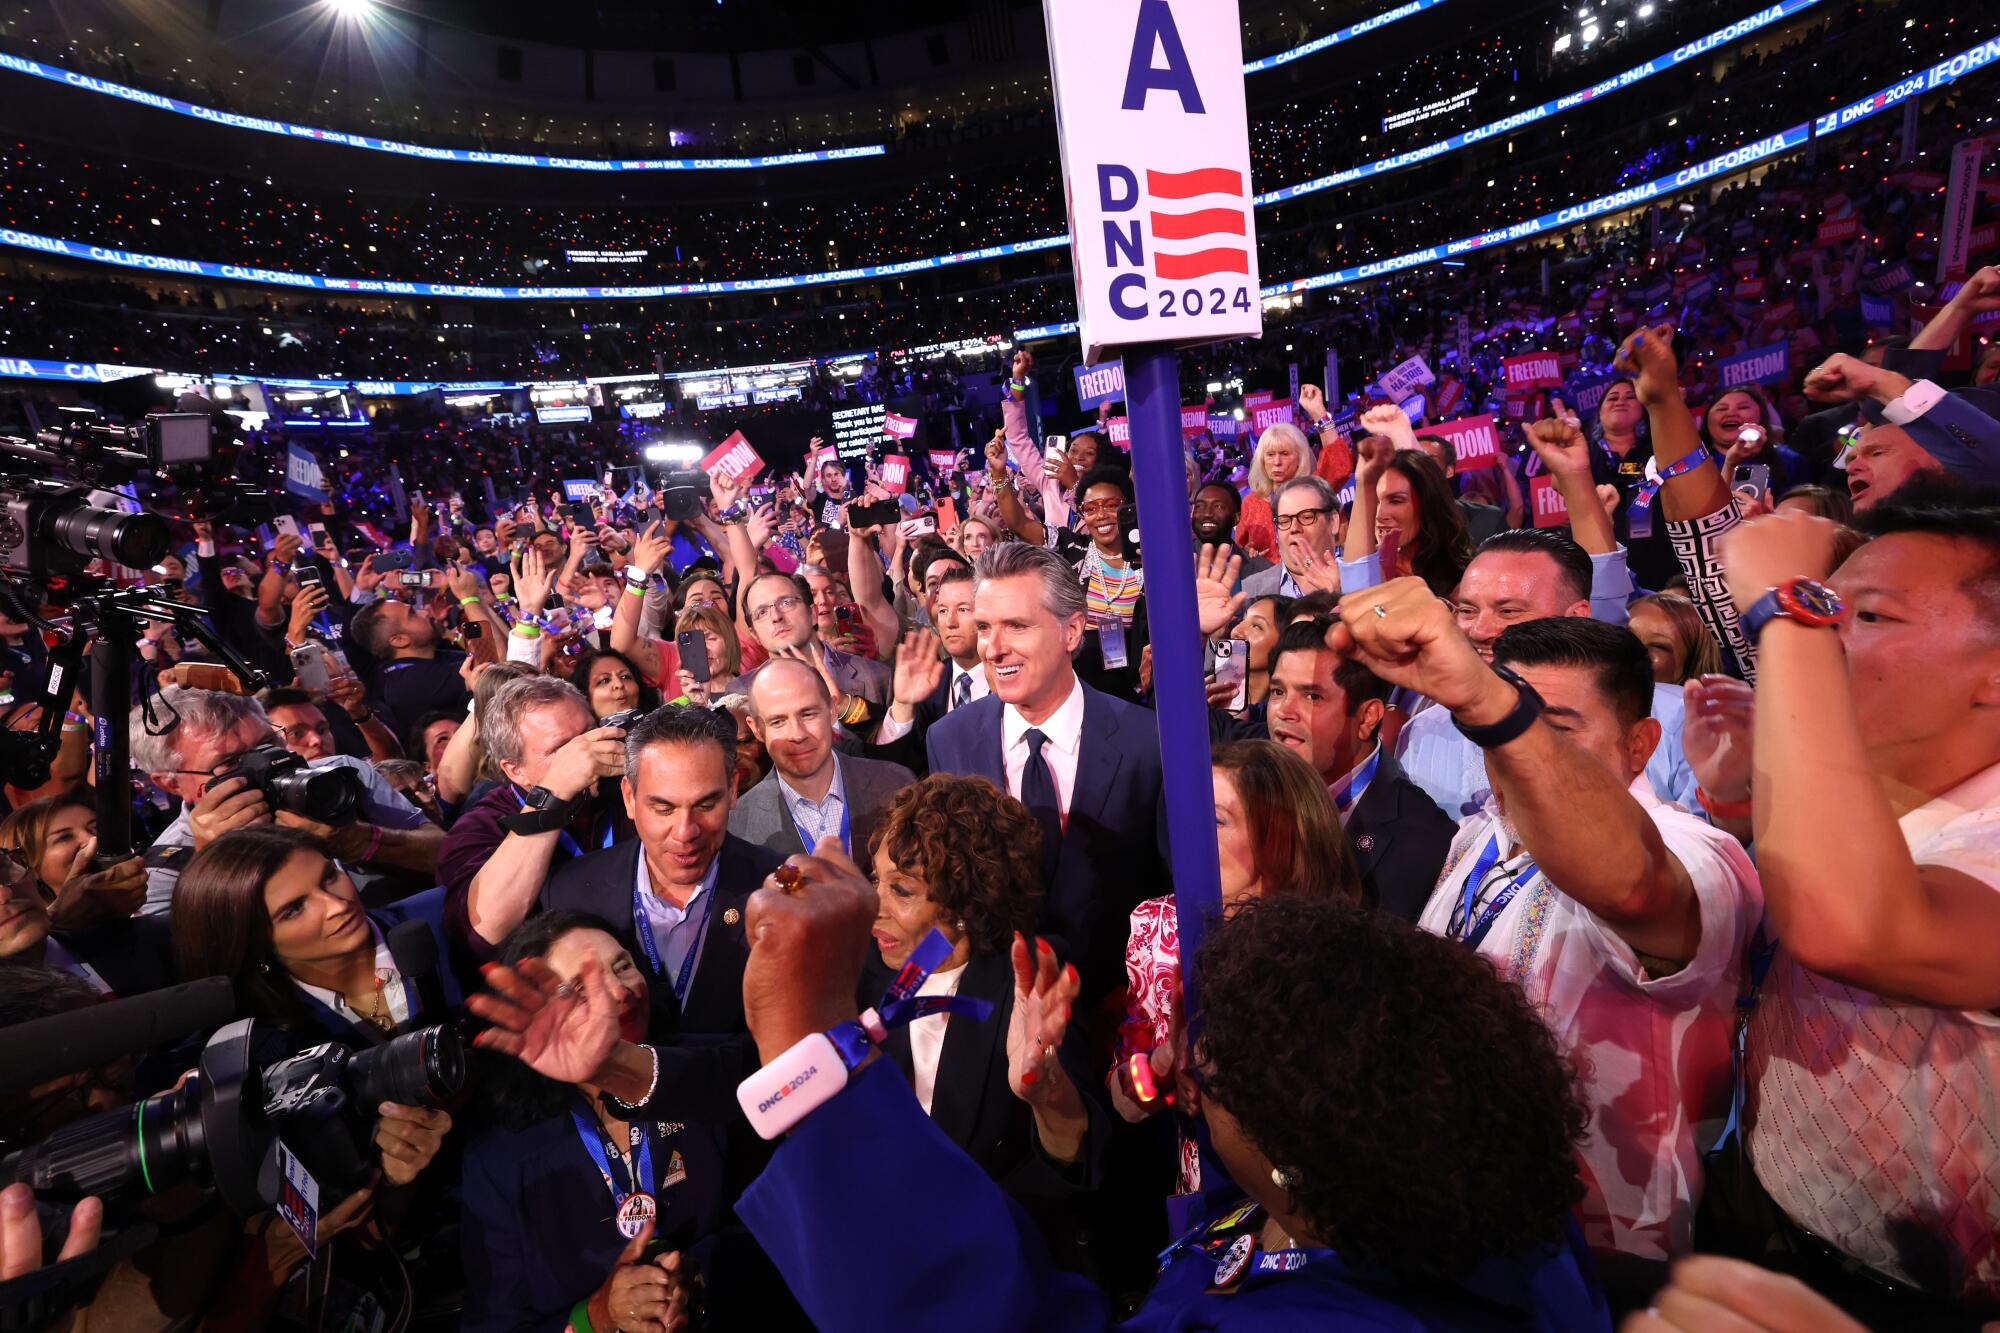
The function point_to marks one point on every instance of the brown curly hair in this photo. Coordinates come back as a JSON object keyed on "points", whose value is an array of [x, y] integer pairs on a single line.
{"points": [[977, 849]]}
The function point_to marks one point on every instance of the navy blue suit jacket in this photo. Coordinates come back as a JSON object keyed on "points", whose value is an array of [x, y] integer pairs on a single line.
{"points": [[1113, 852]]}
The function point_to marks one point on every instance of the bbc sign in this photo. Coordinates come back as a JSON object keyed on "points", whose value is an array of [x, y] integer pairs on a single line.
{"points": [[1156, 166]]}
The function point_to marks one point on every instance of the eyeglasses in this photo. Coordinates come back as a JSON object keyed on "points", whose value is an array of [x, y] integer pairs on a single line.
{"points": [[1101, 506], [768, 609], [296, 734], [227, 762], [1305, 518]]}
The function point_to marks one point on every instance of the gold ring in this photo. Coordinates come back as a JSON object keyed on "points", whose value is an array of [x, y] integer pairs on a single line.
{"points": [[789, 878]]}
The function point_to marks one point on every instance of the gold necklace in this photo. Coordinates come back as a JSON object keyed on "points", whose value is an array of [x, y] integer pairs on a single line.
{"points": [[381, 1017]]}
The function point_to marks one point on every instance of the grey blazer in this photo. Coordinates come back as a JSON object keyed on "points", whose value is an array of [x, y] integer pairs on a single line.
{"points": [[1264, 583], [760, 815], [858, 676]]}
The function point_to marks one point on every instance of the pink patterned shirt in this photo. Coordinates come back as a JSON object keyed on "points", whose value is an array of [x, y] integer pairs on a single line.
{"points": [[1875, 1123], [1652, 1053], [1152, 975]]}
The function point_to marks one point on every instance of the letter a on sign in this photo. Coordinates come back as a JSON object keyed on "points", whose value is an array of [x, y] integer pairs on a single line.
{"points": [[1156, 28], [1156, 171]]}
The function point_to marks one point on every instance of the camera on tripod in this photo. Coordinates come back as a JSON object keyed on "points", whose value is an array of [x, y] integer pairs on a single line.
{"points": [[330, 795]]}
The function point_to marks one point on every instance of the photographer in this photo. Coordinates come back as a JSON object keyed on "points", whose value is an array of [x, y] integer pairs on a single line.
{"points": [[57, 911], [309, 731], [193, 761]]}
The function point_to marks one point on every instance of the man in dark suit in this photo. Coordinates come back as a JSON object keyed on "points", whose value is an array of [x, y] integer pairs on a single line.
{"points": [[1086, 765], [927, 686], [811, 792], [1329, 710], [677, 894]]}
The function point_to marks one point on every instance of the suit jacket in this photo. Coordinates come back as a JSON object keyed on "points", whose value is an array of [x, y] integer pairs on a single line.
{"points": [[1264, 583], [602, 883], [1400, 839], [862, 677], [133, 954], [1112, 856], [760, 815]]}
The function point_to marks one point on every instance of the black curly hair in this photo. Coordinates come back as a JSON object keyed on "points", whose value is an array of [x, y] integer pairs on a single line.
{"points": [[1421, 1101], [978, 849]]}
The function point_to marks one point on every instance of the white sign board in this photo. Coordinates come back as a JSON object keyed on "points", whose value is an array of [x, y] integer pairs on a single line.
{"points": [[1411, 374], [1156, 166]]}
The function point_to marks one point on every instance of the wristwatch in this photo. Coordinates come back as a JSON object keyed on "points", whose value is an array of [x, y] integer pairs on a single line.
{"points": [[1806, 601], [546, 812], [1526, 709]]}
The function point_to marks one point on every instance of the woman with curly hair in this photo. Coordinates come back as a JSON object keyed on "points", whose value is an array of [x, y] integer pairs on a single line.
{"points": [[958, 855]]}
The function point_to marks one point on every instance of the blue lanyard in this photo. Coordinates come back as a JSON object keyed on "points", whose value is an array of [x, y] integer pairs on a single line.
{"points": [[846, 827], [901, 1003], [591, 1131], [1462, 918], [1356, 786], [642, 926], [1680, 467]]}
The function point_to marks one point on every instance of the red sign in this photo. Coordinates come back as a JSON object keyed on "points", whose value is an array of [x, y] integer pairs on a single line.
{"points": [[1550, 511], [1194, 420], [943, 461], [1750, 289], [734, 458], [1837, 230], [1924, 182], [1476, 441], [1983, 238], [1744, 265], [895, 473], [1120, 429], [1536, 370], [1269, 413], [898, 427], [1448, 393], [1253, 401]]}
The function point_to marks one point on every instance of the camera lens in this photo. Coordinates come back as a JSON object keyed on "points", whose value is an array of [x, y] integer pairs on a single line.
{"points": [[329, 795], [136, 540], [421, 1068]]}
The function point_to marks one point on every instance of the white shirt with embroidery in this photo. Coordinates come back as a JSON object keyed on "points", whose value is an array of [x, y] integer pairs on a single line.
{"points": [[1652, 1053]]}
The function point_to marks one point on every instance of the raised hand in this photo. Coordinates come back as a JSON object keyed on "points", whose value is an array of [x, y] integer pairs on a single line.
{"points": [[534, 582], [650, 548], [1043, 993], [1981, 291], [1844, 379], [563, 1032], [463, 582], [1312, 402], [1719, 735], [760, 525], [1404, 633], [996, 454], [1561, 446], [1216, 570], [409, 1138], [306, 606], [1372, 453], [1392, 421], [808, 944], [1648, 355], [286, 548], [919, 667], [90, 897], [1313, 571]]}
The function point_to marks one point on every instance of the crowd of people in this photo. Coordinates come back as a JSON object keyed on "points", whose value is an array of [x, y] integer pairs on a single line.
{"points": [[1602, 831]]}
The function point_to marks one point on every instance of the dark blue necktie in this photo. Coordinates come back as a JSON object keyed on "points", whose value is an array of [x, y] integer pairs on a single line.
{"points": [[1038, 793], [961, 690]]}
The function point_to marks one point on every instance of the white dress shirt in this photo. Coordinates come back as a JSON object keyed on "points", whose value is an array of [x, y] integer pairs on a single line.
{"points": [[387, 978], [1064, 730], [976, 673], [927, 1035], [821, 818]]}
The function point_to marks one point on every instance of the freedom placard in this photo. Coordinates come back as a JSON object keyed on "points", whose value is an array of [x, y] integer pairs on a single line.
{"points": [[1550, 509], [1769, 364], [943, 461], [898, 427], [1270, 414], [1194, 420], [1100, 384], [303, 477], [1476, 441], [895, 473], [1535, 370], [735, 459], [1835, 230], [1121, 431]]}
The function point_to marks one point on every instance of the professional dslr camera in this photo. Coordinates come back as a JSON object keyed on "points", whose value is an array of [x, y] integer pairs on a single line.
{"points": [[683, 492], [329, 795]]}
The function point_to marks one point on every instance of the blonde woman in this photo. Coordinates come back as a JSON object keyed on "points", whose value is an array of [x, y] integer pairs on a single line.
{"points": [[1283, 452]]}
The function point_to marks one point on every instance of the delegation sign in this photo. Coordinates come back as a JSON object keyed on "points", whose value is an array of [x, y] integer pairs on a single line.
{"points": [[1156, 167]]}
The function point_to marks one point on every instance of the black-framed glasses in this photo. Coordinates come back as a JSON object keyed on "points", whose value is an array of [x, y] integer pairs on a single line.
{"points": [[1302, 520]]}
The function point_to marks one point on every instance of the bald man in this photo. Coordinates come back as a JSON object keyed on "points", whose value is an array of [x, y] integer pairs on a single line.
{"points": [[812, 791]]}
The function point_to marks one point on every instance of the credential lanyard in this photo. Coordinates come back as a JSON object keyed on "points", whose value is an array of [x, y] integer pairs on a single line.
{"points": [[1351, 791], [901, 1003], [846, 828], [591, 1131], [1462, 927], [642, 926], [1288, 1261], [1639, 516]]}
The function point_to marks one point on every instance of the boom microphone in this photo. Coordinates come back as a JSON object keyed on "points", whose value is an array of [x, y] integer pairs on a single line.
{"points": [[32, 1053]]}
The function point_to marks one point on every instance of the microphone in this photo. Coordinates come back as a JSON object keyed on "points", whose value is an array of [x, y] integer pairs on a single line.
{"points": [[47, 1048]]}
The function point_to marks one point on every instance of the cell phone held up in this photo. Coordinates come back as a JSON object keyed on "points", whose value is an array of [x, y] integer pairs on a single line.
{"points": [[418, 578], [1232, 667], [692, 645], [384, 562]]}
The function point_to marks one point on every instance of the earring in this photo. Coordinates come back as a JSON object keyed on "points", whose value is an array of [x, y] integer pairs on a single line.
{"points": [[1284, 1178], [265, 968]]}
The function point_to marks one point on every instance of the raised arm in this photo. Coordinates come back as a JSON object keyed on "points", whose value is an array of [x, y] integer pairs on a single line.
{"points": [[864, 576], [1565, 455], [1843, 892], [1014, 515], [1582, 824], [1979, 294], [649, 553], [1649, 355]]}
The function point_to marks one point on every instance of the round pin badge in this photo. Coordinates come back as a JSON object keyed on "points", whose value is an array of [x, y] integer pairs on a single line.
{"points": [[731, 917], [1234, 1260], [634, 1213], [1365, 843]]}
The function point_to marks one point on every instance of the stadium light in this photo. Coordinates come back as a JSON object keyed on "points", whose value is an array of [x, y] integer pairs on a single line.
{"points": [[674, 453], [350, 9], [1562, 44]]}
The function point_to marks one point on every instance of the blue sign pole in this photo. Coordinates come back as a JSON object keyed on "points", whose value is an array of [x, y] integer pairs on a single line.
{"points": [[1159, 481]]}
